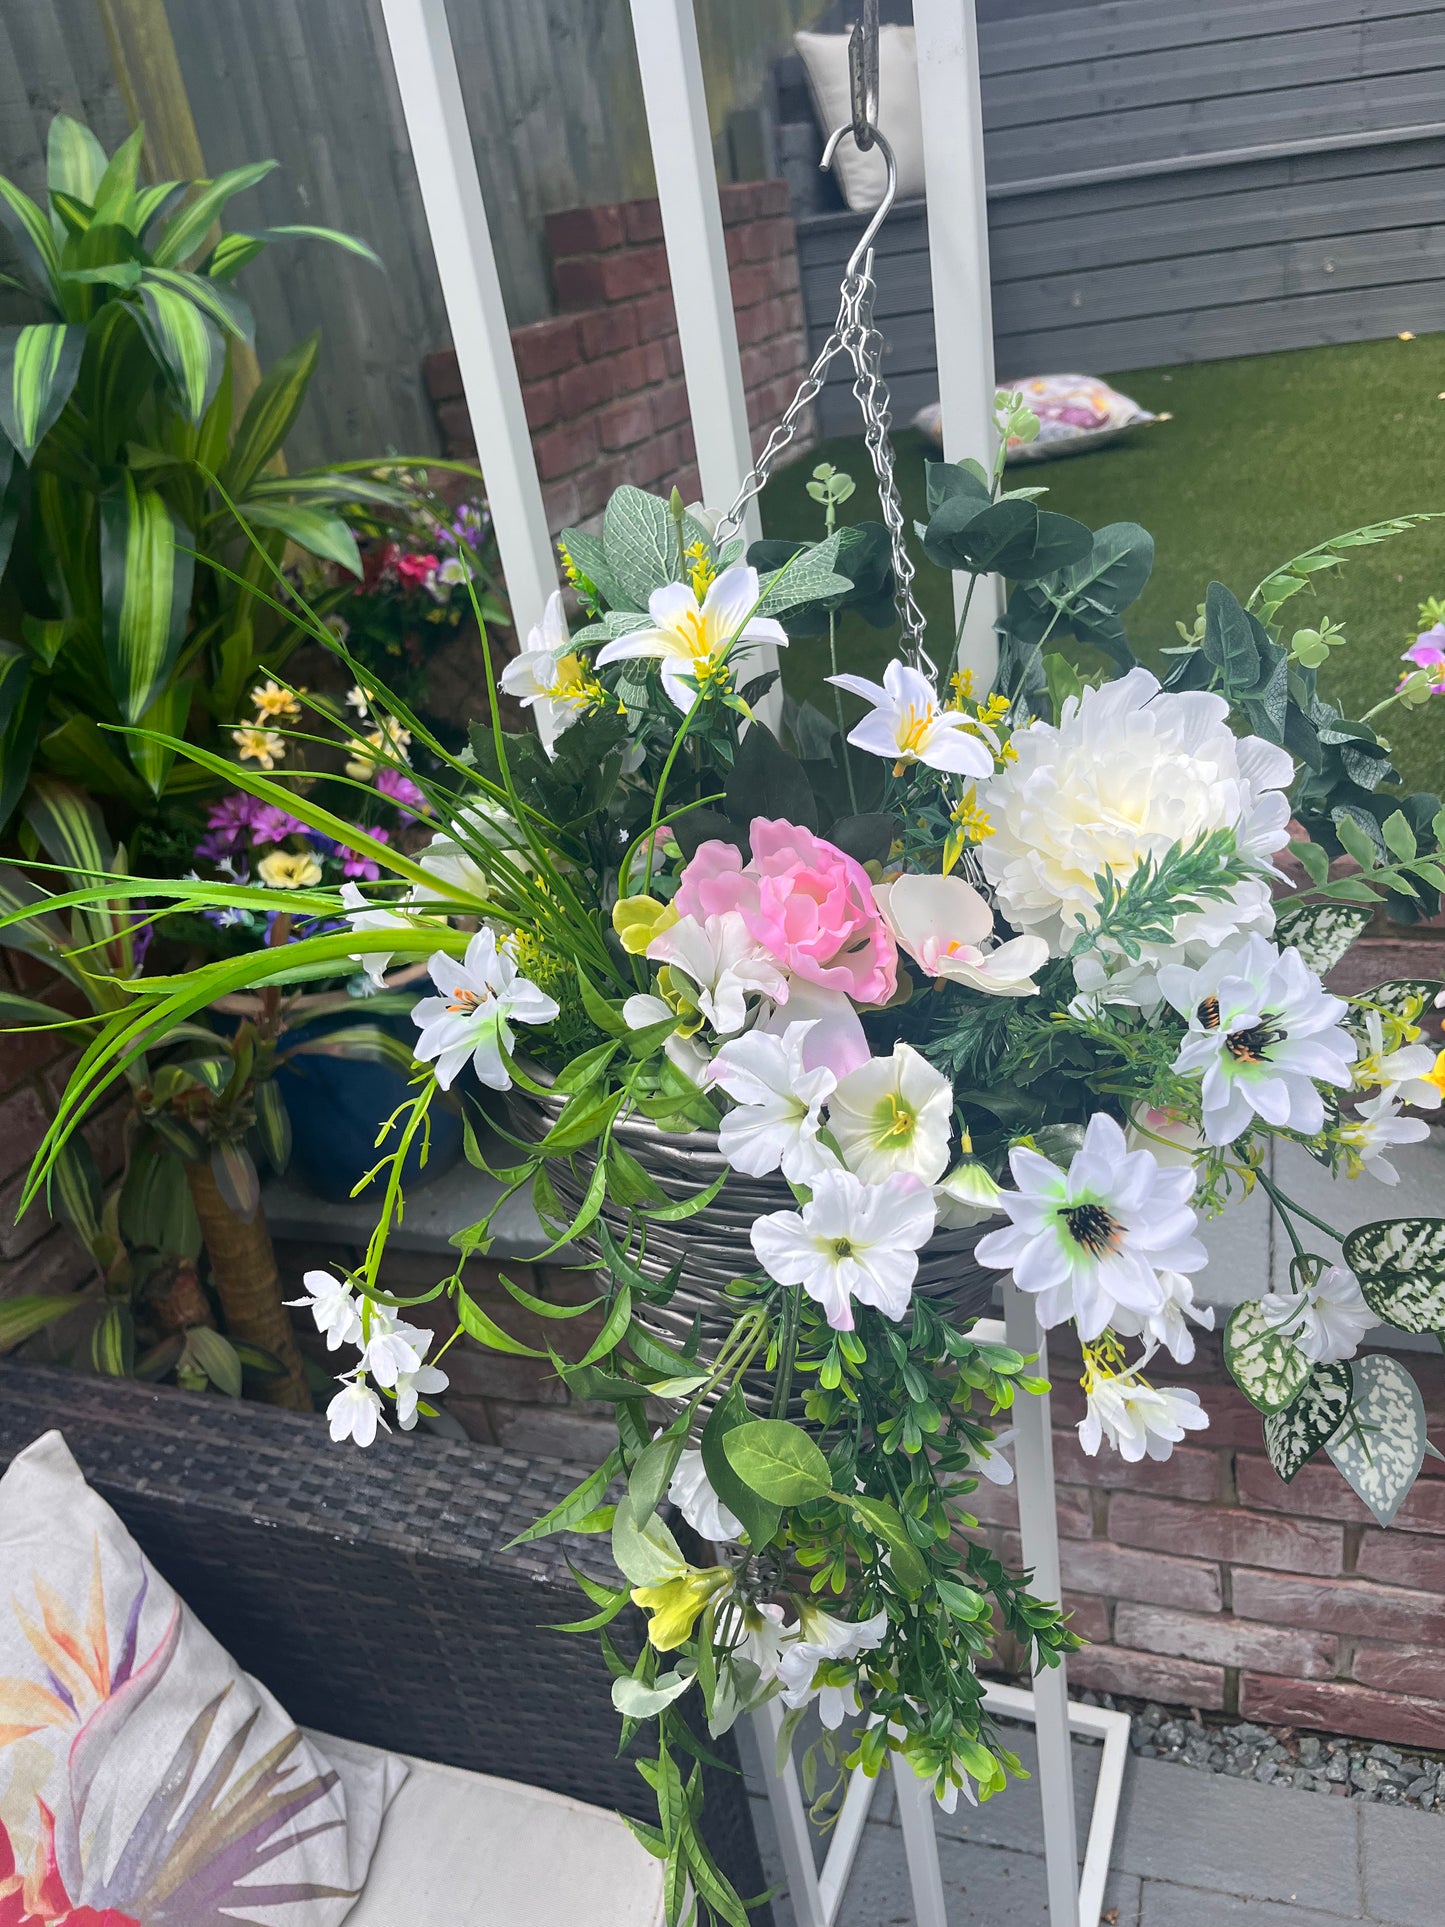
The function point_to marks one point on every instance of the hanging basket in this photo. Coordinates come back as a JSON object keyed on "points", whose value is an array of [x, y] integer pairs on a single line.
{"points": [[714, 1247]]}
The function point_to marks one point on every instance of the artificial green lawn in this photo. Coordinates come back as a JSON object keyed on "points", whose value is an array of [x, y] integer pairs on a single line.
{"points": [[1265, 456]]}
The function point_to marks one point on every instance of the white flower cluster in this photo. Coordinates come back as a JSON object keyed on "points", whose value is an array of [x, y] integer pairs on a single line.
{"points": [[393, 1354]]}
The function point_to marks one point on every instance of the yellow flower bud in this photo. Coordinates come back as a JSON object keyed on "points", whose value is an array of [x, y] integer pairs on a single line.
{"points": [[676, 1603], [637, 920]]}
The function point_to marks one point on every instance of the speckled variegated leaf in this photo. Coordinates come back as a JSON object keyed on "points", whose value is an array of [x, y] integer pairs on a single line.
{"points": [[1321, 932], [1403, 997], [1267, 1367], [1293, 1436], [1400, 1264], [1381, 1445]]}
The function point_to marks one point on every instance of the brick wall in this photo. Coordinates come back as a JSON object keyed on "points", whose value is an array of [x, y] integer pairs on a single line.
{"points": [[1205, 1581], [602, 379]]}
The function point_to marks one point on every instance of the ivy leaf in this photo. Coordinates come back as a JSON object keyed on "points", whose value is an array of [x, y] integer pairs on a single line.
{"points": [[1381, 1445], [1400, 1265], [1321, 932], [778, 1461], [1268, 1367], [1293, 1436]]}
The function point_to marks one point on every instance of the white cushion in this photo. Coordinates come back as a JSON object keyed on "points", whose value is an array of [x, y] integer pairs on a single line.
{"points": [[862, 177], [461, 1849]]}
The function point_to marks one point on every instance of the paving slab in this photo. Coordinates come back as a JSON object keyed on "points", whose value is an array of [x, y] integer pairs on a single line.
{"points": [[1014, 1818], [1402, 1857], [1166, 1905], [982, 1886]]}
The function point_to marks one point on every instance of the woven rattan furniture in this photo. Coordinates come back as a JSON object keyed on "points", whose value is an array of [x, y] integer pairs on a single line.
{"points": [[369, 1591]]}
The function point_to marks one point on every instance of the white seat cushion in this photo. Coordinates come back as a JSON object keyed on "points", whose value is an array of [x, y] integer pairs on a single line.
{"points": [[462, 1849], [862, 177]]}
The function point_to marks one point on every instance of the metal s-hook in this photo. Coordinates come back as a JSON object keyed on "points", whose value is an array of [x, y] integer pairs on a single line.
{"points": [[890, 191], [863, 76]]}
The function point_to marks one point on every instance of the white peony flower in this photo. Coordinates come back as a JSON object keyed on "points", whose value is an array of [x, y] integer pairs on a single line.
{"points": [[851, 1240], [691, 1492], [910, 725], [779, 1105], [332, 1303], [723, 963], [355, 1412], [548, 676], [1262, 1030], [1327, 1320], [425, 1382], [1128, 771], [1376, 1126], [893, 1114], [946, 927], [471, 1018], [1138, 1419], [694, 640], [1412, 1073], [1097, 1236], [1169, 1325], [820, 1636]]}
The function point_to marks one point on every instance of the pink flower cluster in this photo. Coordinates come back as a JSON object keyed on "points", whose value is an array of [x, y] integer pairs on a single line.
{"points": [[1427, 651], [808, 904]]}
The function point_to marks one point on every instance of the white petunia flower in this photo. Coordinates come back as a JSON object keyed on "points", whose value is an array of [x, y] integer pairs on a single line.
{"points": [[946, 927], [1097, 1236], [724, 964], [480, 994], [355, 1412], [1412, 1073], [548, 676], [894, 1114], [779, 1105], [821, 1636], [966, 1196], [1169, 1325], [691, 1492], [693, 641], [1262, 1031], [1327, 1320], [910, 725], [1128, 771], [851, 1240], [1138, 1419], [425, 1382], [1375, 1128], [332, 1303]]}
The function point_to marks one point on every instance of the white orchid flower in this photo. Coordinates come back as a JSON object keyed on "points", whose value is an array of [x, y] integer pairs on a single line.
{"points": [[425, 1382], [1169, 1325], [332, 1304], [1327, 1320], [946, 927], [480, 994], [693, 640], [779, 1105], [989, 1461], [851, 1240], [548, 676], [894, 1114], [1138, 1420], [724, 963], [909, 724], [692, 1493], [355, 1412], [391, 1347]]}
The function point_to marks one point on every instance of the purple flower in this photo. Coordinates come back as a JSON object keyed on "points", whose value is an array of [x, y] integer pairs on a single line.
{"points": [[1428, 649], [270, 823], [354, 864], [401, 790], [231, 818]]}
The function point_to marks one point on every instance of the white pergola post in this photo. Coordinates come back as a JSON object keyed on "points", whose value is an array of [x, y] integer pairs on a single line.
{"points": [[948, 88], [436, 121]]}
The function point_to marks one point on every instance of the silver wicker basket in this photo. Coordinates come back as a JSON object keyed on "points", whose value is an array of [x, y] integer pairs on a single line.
{"points": [[714, 1246]]}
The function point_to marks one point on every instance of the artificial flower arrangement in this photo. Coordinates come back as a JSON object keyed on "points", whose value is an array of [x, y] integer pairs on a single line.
{"points": [[1006, 958]]}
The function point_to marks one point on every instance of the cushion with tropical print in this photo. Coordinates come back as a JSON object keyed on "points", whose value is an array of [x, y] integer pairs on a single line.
{"points": [[145, 1780]]}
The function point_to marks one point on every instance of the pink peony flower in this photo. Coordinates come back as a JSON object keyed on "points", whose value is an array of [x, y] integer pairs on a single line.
{"points": [[815, 913], [715, 882]]}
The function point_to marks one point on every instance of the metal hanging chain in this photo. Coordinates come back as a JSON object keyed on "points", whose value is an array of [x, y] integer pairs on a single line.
{"points": [[855, 335]]}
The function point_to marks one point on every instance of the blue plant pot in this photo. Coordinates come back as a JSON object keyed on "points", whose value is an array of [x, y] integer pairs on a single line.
{"points": [[337, 1105]]}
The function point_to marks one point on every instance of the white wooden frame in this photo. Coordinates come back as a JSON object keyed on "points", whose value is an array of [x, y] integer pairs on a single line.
{"points": [[673, 91]]}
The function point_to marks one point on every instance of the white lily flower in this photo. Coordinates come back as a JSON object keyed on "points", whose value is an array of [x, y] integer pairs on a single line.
{"points": [[779, 1105], [894, 1114], [1138, 1419], [946, 927], [425, 1382], [1412, 1073], [1262, 1031], [355, 1412], [820, 1636], [966, 1196], [363, 915], [548, 676], [689, 1054], [724, 963], [691, 1492], [1097, 1236], [480, 994], [1169, 1325], [1375, 1128], [1327, 1320], [693, 641], [332, 1303], [851, 1240], [910, 725]]}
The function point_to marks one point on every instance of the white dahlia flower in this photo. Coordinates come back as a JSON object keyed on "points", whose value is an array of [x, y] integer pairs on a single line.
{"points": [[1129, 771]]}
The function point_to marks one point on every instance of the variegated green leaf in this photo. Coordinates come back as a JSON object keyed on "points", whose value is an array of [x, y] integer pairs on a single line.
{"points": [[1293, 1436], [1400, 1264], [12, 484], [269, 415], [236, 1178], [145, 579], [216, 1357], [185, 342], [75, 1190], [362, 1043], [232, 253], [112, 1343], [70, 830], [1381, 1445], [273, 1123], [1321, 932], [31, 237], [167, 716], [152, 201], [21, 1318], [810, 578], [312, 529], [38, 933], [114, 196], [38, 368], [187, 229], [224, 307], [1403, 997], [1268, 1368], [75, 161]]}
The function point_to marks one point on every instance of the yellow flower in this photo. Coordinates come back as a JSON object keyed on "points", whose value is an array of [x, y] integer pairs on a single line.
{"points": [[257, 745], [637, 920], [676, 1603], [272, 703], [289, 870], [369, 751]]}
